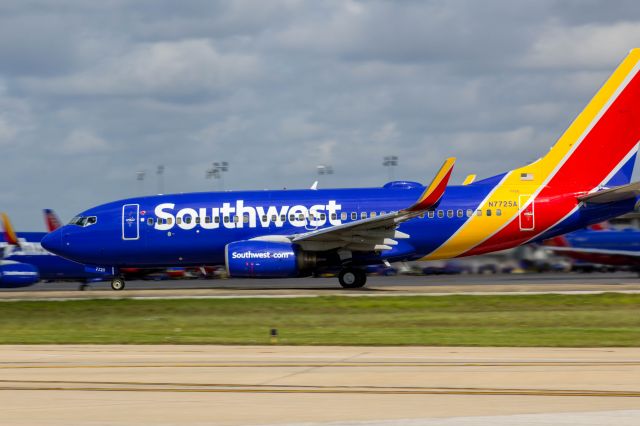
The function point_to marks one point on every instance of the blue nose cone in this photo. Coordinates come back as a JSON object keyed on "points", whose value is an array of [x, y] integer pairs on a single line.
{"points": [[52, 242]]}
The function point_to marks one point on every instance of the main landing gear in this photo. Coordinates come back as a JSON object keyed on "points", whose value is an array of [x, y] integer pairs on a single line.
{"points": [[352, 278], [117, 283]]}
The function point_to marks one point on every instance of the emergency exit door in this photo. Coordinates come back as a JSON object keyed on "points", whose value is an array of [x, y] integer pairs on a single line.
{"points": [[526, 214]]}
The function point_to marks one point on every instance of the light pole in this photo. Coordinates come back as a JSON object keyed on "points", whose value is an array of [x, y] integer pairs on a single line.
{"points": [[140, 178], [324, 169], [160, 173], [390, 162], [217, 172]]}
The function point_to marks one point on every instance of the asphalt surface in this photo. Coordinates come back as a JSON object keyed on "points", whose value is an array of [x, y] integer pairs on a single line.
{"points": [[377, 286], [603, 280], [323, 386]]}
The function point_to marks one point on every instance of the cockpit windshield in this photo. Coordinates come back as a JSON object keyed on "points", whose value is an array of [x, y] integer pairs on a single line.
{"points": [[83, 221]]}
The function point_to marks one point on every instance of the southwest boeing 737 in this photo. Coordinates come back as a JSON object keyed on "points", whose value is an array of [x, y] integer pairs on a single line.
{"points": [[583, 179]]}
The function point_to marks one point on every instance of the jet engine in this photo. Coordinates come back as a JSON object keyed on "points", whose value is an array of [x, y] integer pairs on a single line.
{"points": [[16, 274], [267, 259]]}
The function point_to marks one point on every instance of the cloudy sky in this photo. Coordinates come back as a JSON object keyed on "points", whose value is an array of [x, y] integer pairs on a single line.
{"points": [[91, 92]]}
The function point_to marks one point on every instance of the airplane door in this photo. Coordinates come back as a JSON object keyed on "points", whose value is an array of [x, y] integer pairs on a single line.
{"points": [[131, 222], [526, 215]]}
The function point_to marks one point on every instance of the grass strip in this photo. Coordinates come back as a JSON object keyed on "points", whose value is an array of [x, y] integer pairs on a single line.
{"points": [[536, 320]]}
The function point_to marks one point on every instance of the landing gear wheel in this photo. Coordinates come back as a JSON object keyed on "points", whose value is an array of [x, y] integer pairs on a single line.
{"points": [[117, 284], [83, 287], [352, 278]]}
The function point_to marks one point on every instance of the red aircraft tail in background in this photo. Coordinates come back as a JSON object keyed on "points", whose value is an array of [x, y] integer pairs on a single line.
{"points": [[51, 220]]}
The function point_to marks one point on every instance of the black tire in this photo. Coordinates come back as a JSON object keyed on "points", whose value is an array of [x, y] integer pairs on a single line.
{"points": [[117, 284], [352, 278]]}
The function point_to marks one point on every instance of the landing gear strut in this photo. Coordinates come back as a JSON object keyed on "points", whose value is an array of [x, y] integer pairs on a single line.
{"points": [[117, 283], [352, 278]]}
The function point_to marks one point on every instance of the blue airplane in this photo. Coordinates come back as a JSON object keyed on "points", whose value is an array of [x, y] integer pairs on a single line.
{"points": [[600, 245], [24, 261], [583, 179]]}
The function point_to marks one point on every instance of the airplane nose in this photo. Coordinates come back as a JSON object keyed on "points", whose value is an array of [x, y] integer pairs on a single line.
{"points": [[52, 242]]}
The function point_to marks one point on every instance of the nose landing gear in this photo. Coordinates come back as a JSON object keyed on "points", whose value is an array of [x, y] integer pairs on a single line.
{"points": [[352, 278]]}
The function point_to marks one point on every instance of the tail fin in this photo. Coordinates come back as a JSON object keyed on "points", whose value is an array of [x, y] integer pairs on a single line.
{"points": [[9, 234], [600, 146], [51, 220]]}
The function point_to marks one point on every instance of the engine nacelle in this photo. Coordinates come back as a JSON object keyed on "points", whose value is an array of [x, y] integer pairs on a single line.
{"points": [[267, 259], [16, 274]]}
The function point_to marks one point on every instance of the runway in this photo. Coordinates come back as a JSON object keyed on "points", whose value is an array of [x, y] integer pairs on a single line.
{"points": [[268, 385], [310, 287]]}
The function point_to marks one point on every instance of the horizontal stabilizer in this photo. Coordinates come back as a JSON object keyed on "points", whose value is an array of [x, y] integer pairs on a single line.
{"points": [[435, 190], [618, 193]]}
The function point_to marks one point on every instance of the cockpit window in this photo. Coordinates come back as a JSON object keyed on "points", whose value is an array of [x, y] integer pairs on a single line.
{"points": [[84, 221]]}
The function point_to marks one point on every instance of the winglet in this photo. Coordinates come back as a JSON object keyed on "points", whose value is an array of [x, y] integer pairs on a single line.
{"points": [[435, 190], [51, 220], [9, 234], [469, 179], [314, 186]]}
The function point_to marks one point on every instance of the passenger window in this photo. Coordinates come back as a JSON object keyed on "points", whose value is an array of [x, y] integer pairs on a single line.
{"points": [[469, 212], [430, 214], [226, 219], [178, 220], [198, 219], [169, 220], [498, 212], [440, 214], [236, 219], [373, 214], [216, 219], [245, 218], [449, 213], [334, 216], [363, 215], [300, 217], [354, 215], [323, 216], [274, 218], [459, 213], [187, 219], [150, 221], [292, 217], [488, 212], [421, 216], [343, 216], [383, 213], [207, 219], [283, 217], [478, 212], [264, 218]]}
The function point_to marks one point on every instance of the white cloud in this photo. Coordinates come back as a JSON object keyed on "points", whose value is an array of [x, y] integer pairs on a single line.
{"points": [[589, 46], [81, 141], [179, 68]]}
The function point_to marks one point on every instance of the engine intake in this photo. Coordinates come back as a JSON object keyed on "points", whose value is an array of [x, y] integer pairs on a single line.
{"points": [[267, 259]]}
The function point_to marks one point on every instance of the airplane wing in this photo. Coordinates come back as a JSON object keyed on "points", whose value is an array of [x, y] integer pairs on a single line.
{"points": [[376, 233], [618, 193]]}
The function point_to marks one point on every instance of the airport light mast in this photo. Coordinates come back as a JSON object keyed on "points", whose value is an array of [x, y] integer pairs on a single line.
{"points": [[140, 174], [217, 172], [390, 162], [160, 173]]}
